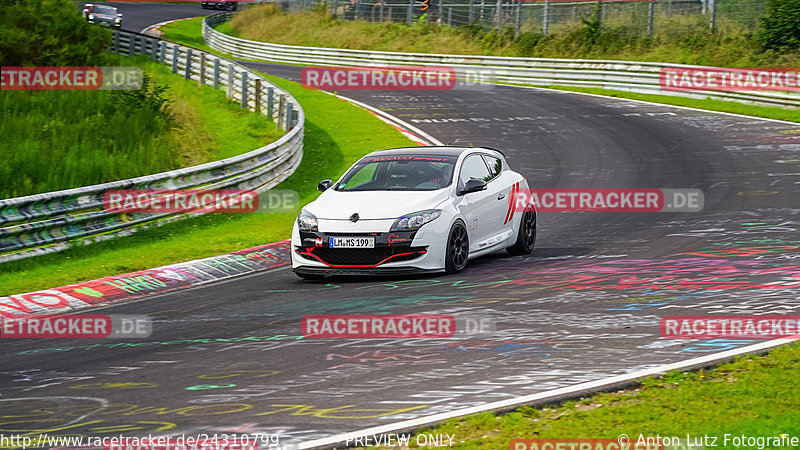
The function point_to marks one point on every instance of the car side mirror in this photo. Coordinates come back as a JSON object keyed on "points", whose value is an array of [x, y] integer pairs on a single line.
{"points": [[85, 11], [324, 185], [473, 185]]}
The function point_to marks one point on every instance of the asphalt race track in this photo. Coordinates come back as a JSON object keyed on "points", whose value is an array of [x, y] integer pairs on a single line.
{"points": [[138, 16], [585, 306]]}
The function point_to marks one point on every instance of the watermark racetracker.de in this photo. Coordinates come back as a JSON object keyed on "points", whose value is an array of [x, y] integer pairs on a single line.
{"points": [[394, 78], [76, 326], [200, 201], [70, 78]]}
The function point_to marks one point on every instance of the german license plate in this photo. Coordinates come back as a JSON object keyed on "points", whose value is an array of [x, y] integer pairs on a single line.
{"points": [[351, 242]]}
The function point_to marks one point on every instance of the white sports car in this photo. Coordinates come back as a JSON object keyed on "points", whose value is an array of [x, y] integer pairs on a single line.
{"points": [[415, 209]]}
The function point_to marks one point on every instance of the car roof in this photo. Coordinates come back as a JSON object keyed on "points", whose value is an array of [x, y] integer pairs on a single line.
{"points": [[441, 150]]}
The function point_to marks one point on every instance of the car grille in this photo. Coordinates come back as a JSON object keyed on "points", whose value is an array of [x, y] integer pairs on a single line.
{"points": [[364, 256]]}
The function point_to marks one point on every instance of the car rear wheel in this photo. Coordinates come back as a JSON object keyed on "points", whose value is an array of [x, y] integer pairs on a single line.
{"points": [[457, 251], [526, 238]]}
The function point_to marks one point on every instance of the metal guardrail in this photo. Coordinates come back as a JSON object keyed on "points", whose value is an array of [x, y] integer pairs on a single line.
{"points": [[48, 222], [640, 77]]}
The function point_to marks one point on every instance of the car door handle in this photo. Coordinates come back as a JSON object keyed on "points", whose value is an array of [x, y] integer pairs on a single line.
{"points": [[501, 196]]}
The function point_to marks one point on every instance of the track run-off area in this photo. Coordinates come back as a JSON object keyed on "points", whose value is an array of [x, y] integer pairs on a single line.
{"points": [[228, 357]]}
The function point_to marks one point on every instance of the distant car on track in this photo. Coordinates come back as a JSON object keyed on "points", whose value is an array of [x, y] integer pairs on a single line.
{"points": [[413, 209], [102, 15], [231, 6]]}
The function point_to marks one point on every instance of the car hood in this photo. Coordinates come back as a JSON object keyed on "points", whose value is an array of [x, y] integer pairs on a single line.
{"points": [[371, 205]]}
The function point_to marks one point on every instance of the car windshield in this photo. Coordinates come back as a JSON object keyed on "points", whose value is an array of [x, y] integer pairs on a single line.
{"points": [[399, 173], [100, 9]]}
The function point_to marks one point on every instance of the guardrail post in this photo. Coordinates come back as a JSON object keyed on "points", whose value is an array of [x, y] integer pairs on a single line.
{"points": [[650, 15], [116, 41], [187, 73], [175, 53], [202, 80], [410, 15], [258, 95], [358, 9], [270, 96], [281, 106], [132, 45], [449, 16], [244, 89], [294, 119], [229, 91], [382, 5], [216, 73], [153, 50], [162, 53], [288, 121], [519, 16], [500, 14]]}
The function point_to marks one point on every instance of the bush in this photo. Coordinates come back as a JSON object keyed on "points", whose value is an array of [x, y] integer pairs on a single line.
{"points": [[48, 33], [150, 98], [780, 29]]}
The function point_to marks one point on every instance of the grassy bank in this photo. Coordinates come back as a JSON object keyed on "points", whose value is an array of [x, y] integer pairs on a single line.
{"points": [[331, 145], [679, 39], [63, 139], [751, 396]]}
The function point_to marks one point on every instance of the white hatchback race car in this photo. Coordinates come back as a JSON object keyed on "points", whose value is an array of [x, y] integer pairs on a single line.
{"points": [[416, 209]]}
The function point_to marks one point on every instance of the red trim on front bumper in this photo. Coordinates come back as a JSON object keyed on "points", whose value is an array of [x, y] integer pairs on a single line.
{"points": [[421, 252]]}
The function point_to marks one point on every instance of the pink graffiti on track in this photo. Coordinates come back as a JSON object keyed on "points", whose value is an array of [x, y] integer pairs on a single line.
{"points": [[645, 274], [146, 282]]}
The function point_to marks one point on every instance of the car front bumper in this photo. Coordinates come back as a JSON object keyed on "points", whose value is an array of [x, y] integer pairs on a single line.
{"points": [[394, 252]]}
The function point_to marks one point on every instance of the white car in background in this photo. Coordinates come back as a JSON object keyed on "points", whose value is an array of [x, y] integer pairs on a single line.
{"points": [[415, 209], [102, 15]]}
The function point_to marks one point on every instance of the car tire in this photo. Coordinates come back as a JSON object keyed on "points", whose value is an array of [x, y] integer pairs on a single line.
{"points": [[457, 250], [526, 238], [310, 276]]}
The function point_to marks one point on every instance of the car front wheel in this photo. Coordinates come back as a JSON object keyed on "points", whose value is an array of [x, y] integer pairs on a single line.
{"points": [[457, 251]]}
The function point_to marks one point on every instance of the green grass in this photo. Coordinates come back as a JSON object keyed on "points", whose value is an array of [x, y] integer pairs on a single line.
{"points": [[186, 32], [63, 139], [751, 396], [678, 39], [332, 143]]}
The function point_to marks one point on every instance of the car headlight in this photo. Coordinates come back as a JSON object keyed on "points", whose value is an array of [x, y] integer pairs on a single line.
{"points": [[307, 221], [91, 16], [414, 221], [117, 19]]}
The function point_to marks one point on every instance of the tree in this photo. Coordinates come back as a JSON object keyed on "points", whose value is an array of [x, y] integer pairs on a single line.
{"points": [[48, 33], [780, 29]]}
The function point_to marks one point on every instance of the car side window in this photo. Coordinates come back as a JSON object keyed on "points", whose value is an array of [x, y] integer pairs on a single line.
{"points": [[474, 167], [495, 165]]}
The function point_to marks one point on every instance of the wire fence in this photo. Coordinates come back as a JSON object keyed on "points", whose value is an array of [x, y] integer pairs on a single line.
{"points": [[549, 16]]}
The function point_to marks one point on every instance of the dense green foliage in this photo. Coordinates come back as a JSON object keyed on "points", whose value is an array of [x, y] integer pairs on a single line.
{"points": [[48, 33], [780, 30]]}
